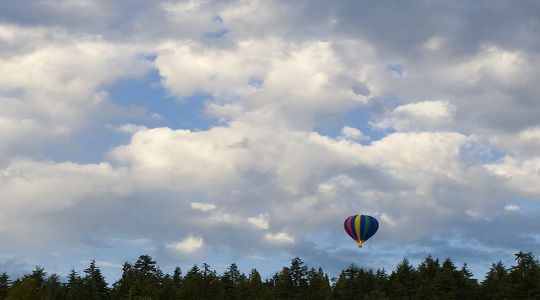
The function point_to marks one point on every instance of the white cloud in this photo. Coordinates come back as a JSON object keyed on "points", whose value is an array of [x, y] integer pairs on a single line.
{"points": [[434, 43], [523, 176], [202, 206], [51, 82], [425, 115], [388, 220], [279, 238], [353, 133], [227, 73], [101, 264], [511, 207], [260, 221], [188, 245], [132, 128], [525, 144]]}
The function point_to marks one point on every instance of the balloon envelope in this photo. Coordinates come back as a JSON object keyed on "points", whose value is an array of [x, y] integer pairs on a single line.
{"points": [[361, 227]]}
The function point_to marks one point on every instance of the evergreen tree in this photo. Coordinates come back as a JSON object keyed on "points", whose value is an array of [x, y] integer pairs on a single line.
{"points": [[74, 286], [167, 290], [29, 286], [298, 271], [381, 286], [448, 279], [495, 284], [177, 277], [53, 289], [348, 285], [23, 289], [231, 282], [124, 287], [467, 287], [170, 285], [94, 283], [4, 285], [211, 284], [318, 285], [284, 286], [142, 280], [428, 285], [402, 282], [148, 278], [191, 285], [524, 278], [256, 289]]}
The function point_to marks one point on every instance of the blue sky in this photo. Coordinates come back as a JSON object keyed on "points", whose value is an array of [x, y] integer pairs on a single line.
{"points": [[248, 131]]}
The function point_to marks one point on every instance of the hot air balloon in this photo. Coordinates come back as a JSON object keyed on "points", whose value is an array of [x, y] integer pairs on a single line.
{"points": [[361, 228]]}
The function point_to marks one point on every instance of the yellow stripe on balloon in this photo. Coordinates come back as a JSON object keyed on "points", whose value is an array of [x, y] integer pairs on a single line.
{"points": [[357, 227]]}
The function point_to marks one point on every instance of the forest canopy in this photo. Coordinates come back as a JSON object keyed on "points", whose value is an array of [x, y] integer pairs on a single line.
{"points": [[143, 279]]}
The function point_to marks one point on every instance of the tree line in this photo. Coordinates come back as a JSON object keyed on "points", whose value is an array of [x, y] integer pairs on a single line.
{"points": [[143, 279]]}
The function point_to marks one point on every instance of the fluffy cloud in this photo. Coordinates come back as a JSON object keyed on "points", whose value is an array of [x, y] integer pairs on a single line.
{"points": [[52, 83], [260, 222], [188, 245], [279, 238], [260, 78], [202, 206], [425, 115]]}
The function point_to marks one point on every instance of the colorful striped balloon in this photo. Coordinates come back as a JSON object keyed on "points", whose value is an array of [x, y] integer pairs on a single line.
{"points": [[361, 227]]}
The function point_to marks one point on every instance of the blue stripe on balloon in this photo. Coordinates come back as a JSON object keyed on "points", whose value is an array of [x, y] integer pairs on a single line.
{"points": [[353, 227], [374, 227], [362, 226]]}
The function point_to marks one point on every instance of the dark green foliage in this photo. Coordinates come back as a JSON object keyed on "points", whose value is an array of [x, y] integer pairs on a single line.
{"points": [[94, 284], [144, 280], [256, 290], [495, 283], [318, 285], [403, 281], [4, 285], [234, 283], [75, 288], [524, 278]]}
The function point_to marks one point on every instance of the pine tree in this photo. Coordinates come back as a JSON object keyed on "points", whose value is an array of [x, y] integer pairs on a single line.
{"points": [[428, 273], [53, 289], [284, 286], [256, 289], [524, 278], [298, 271], [402, 281], [167, 290], [29, 286], [318, 285], [346, 286], [467, 287], [494, 285], [381, 286], [94, 283], [148, 278], [211, 285], [177, 277], [4, 285], [123, 288], [74, 286], [231, 281], [191, 285]]}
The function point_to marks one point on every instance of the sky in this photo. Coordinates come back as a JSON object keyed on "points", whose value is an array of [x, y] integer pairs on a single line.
{"points": [[248, 131]]}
